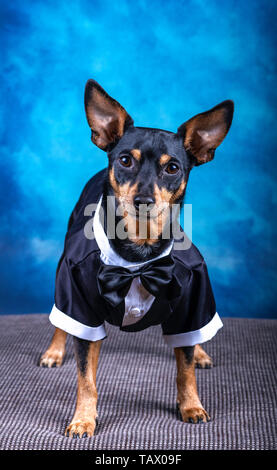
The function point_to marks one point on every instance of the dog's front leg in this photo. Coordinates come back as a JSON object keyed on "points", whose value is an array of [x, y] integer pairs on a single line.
{"points": [[84, 420], [189, 403], [201, 358], [53, 356]]}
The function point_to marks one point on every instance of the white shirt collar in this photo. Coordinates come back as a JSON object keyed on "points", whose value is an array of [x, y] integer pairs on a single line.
{"points": [[108, 255]]}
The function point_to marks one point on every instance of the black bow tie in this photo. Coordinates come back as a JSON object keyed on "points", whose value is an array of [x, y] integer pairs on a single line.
{"points": [[157, 277]]}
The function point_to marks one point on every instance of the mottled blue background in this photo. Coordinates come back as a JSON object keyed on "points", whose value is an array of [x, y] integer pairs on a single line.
{"points": [[164, 61]]}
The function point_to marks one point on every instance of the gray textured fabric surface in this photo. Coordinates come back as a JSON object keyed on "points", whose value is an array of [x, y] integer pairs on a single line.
{"points": [[137, 392]]}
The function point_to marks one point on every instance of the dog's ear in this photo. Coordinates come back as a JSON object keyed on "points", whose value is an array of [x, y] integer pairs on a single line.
{"points": [[106, 117], [204, 132]]}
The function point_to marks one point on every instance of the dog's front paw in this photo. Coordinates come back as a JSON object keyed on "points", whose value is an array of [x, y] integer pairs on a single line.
{"points": [[194, 415], [52, 358], [202, 359], [81, 428]]}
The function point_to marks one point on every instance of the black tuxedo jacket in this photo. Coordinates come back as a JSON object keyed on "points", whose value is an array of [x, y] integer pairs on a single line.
{"points": [[81, 311]]}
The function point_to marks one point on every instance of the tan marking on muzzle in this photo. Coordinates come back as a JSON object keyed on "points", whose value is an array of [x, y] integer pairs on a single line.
{"points": [[164, 200], [164, 196], [125, 192], [155, 226]]}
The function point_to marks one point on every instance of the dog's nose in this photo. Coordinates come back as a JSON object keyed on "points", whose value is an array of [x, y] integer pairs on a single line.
{"points": [[148, 200]]}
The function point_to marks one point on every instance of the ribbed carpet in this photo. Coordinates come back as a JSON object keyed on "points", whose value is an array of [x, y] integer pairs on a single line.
{"points": [[137, 392]]}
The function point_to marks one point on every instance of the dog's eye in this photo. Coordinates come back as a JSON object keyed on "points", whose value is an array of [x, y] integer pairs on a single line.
{"points": [[125, 160], [172, 168]]}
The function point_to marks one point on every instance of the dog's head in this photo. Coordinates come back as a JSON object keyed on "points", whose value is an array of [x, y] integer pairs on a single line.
{"points": [[149, 168]]}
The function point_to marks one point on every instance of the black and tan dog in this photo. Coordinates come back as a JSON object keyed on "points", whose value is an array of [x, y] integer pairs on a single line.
{"points": [[149, 167]]}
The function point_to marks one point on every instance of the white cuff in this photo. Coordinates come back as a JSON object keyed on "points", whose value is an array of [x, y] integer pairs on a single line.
{"points": [[195, 337], [75, 328]]}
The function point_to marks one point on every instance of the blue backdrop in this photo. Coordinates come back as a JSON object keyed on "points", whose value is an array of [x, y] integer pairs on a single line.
{"points": [[164, 61]]}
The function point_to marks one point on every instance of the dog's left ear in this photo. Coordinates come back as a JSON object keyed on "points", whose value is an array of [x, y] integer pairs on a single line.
{"points": [[106, 117], [204, 133]]}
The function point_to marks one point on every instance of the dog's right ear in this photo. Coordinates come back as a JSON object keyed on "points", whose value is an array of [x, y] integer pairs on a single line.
{"points": [[203, 133], [107, 119]]}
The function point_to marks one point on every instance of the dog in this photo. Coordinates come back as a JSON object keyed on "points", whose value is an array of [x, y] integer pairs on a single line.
{"points": [[136, 281]]}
